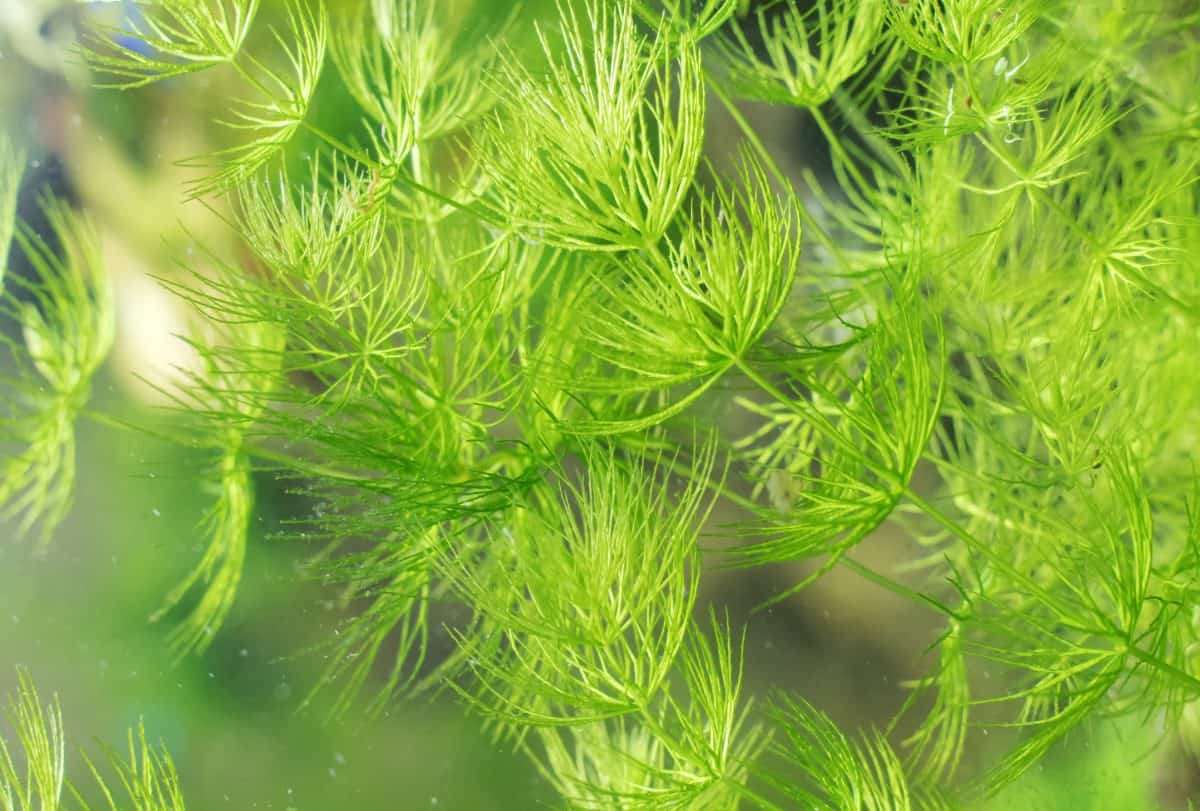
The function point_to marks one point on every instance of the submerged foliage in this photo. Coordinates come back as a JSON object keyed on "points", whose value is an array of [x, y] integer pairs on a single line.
{"points": [[488, 329], [67, 323], [33, 769]]}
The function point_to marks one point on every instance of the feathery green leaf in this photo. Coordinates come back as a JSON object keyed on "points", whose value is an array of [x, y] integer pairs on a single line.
{"points": [[179, 36], [600, 153], [68, 326], [807, 54]]}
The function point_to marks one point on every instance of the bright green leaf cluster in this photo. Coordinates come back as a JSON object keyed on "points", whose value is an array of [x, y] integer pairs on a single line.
{"points": [[630, 559], [599, 154]]}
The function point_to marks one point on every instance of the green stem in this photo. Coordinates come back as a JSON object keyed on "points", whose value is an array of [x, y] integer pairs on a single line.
{"points": [[896, 587], [109, 421], [858, 121], [1166, 667], [255, 451], [341, 146], [835, 145]]}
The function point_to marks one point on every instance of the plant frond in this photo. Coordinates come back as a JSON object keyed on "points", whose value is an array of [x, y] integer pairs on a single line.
{"points": [[715, 732], [286, 94], [219, 572], [147, 776], [1039, 152], [396, 581], [807, 54], [1076, 611], [689, 313], [998, 98], [936, 747], [690, 19], [600, 153], [68, 327], [174, 38], [340, 283], [37, 783], [848, 443], [963, 31], [693, 754], [226, 398], [835, 771], [586, 615], [335, 218], [415, 76]]}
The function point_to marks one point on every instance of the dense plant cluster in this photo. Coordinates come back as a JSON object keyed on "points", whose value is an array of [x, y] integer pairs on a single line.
{"points": [[516, 332]]}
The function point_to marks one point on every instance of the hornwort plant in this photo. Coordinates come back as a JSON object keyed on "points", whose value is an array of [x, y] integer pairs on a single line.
{"points": [[518, 333]]}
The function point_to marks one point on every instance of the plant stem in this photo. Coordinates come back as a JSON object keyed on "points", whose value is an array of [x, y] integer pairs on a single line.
{"points": [[259, 451]]}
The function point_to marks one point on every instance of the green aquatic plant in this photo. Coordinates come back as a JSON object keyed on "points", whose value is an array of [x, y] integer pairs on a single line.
{"points": [[33, 772], [515, 332], [67, 327]]}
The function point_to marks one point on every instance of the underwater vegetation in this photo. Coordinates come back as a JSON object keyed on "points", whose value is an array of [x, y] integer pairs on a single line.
{"points": [[540, 361]]}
